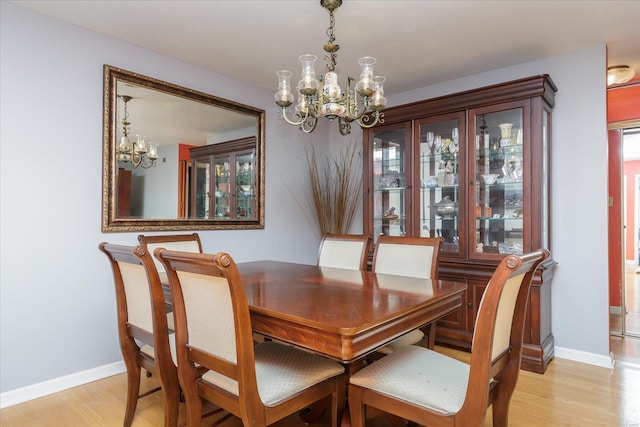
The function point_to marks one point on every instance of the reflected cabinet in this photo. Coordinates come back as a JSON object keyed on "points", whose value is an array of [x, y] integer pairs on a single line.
{"points": [[472, 168], [223, 182]]}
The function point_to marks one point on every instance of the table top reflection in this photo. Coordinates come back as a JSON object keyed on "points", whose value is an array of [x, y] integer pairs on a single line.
{"points": [[341, 314]]}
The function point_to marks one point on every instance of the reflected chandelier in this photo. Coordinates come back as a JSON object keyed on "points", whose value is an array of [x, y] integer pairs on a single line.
{"points": [[323, 97], [135, 153]]}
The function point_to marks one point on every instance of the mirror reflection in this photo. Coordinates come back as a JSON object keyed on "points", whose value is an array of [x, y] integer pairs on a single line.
{"points": [[177, 159]]}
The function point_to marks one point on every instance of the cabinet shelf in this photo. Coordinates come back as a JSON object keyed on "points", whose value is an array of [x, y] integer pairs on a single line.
{"points": [[391, 189]]}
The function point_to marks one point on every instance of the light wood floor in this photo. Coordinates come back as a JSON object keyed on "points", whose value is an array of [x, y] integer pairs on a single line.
{"points": [[568, 394]]}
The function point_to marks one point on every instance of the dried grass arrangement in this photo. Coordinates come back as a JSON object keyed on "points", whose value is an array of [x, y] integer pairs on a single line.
{"points": [[336, 187]]}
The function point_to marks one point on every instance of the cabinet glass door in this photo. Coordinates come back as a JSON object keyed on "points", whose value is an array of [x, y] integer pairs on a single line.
{"points": [[390, 186], [223, 188], [440, 175], [245, 185], [202, 202], [499, 174]]}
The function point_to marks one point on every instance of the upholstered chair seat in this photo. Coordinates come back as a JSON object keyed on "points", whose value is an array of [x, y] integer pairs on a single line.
{"points": [[402, 375], [281, 372]]}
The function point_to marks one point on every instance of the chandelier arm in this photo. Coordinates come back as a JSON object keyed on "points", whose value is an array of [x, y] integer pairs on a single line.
{"points": [[148, 165], [136, 158], [309, 125], [299, 122], [357, 114], [364, 120]]}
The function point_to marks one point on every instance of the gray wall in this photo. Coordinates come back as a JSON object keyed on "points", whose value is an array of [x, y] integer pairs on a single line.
{"points": [[57, 302]]}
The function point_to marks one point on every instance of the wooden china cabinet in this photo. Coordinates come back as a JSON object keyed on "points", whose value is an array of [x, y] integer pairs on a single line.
{"points": [[224, 183], [472, 168]]}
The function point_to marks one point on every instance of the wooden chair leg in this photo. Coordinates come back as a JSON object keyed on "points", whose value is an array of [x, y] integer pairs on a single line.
{"points": [[133, 388], [500, 414], [171, 407], [193, 405], [356, 408]]}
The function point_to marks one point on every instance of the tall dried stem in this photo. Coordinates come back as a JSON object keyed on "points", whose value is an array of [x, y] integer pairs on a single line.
{"points": [[336, 185]]}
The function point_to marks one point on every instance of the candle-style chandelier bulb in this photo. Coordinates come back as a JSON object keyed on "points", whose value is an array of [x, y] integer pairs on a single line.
{"points": [[284, 97]]}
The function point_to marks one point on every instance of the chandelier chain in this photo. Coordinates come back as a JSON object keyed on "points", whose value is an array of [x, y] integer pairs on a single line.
{"points": [[331, 48]]}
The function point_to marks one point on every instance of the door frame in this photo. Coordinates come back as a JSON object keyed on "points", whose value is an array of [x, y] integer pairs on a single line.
{"points": [[616, 223]]}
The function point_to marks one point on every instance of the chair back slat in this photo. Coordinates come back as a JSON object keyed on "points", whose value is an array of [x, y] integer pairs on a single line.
{"points": [[174, 242], [341, 254], [346, 251], [137, 295], [407, 256], [504, 316], [404, 260], [209, 313]]}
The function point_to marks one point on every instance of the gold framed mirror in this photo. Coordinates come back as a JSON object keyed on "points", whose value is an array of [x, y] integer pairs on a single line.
{"points": [[150, 180]]}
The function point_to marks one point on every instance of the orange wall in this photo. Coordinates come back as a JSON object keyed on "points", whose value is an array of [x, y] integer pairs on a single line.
{"points": [[615, 217], [183, 152], [622, 104], [631, 169]]}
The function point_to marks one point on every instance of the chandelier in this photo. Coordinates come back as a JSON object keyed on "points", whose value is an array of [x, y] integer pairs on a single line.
{"points": [[136, 152], [323, 97]]}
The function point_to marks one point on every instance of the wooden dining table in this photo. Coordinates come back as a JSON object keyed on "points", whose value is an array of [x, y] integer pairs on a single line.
{"points": [[341, 314]]}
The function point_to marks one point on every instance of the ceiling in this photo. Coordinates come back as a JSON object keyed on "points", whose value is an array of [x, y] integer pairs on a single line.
{"points": [[416, 43]]}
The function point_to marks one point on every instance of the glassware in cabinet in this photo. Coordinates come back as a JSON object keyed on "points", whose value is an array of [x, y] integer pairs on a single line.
{"points": [[498, 168], [390, 186], [441, 170], [222, 201], [245, 184], [202, 168]]}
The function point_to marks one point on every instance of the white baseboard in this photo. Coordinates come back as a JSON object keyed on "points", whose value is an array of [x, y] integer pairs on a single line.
{"points": [[584, 357], [13, 397]]}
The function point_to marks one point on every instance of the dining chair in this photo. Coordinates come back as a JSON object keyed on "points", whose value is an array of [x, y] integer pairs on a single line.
{"points": [[145, 339], [259, 383], [414, 257], [347, 251], [429, 388]]}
